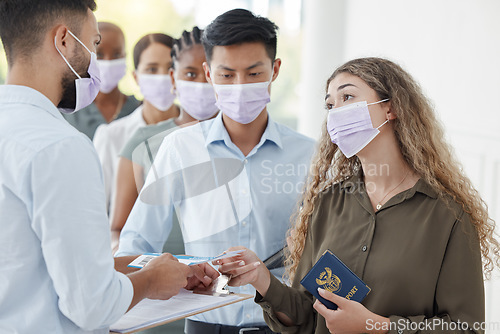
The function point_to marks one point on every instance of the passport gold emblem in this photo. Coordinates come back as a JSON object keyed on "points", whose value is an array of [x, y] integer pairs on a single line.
{"points": [[328, 281]]}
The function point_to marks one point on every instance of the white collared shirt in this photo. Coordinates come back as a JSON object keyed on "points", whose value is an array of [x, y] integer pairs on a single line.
{"points": [[56, 267], [109, 140], [221, 198]]}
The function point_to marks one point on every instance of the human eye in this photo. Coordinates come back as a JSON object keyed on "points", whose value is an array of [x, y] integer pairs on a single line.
{"points": [[191, 75], [151, 70], [346, 97], [225, 75], [255, 74], [329, 106]]}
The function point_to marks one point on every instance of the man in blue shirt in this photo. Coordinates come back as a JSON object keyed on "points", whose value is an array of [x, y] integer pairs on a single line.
{"points": [[233, 180], [56, 269]]}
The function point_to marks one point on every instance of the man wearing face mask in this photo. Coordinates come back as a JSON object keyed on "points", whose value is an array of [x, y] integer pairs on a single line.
{"points": [[57, 271], [232, 180], [110, 104]]}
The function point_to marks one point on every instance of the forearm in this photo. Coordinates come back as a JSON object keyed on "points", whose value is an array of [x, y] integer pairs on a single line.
{"points": [[122, 262]]}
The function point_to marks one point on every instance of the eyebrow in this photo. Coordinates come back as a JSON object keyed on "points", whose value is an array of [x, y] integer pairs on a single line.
{"points": [[346, 85], [340, 88], [259, 63], [190, 68]]}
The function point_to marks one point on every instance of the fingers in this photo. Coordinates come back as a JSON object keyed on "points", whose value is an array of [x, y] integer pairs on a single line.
{"points": [[240, 268], [199, 272], [340, 301], [210, 271], [239, 256], [322, 309], [229, 266]]}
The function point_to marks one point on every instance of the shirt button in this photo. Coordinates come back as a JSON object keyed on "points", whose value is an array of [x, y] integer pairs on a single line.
{"points": [[244, 223], [245, 161], [248, 316], [364, 248], [244, 192]]}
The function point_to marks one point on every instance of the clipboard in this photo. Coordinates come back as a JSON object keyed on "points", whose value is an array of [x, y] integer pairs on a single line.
{"points": [[151, 313]]}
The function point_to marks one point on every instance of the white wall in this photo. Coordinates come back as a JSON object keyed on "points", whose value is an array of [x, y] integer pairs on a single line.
{"points": [[451, 47]]}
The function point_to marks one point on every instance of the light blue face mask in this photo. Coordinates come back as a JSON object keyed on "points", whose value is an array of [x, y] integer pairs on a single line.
{"points": [[86, 88], [350, 127]]}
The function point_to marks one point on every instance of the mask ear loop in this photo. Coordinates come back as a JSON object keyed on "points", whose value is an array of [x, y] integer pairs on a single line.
{"points": [[71, 67], [86, 48], [384, 100], [387, 121]]}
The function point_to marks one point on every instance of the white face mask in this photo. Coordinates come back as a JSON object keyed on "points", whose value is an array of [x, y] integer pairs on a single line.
{"points": [[86, 88], [350, 127], [197, 98], [157, 90], [112, 71], [243, 102]]}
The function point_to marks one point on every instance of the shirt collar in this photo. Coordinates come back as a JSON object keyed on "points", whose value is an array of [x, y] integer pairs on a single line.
{"points": [[218, 132], [355, 181], [26, 95]]}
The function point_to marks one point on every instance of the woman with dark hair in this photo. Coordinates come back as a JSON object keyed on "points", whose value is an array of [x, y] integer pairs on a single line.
{"points": [[151, 56], [387, 196], [186, 79]]}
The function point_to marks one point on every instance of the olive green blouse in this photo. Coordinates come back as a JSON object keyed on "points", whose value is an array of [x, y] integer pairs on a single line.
{"points": [[420, 256]]}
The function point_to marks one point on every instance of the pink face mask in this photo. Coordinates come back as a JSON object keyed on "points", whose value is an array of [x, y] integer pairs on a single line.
{"points": [[157, 90], [112, 71], [86, 88], [243, 102], [350, 127], [197, 98]]}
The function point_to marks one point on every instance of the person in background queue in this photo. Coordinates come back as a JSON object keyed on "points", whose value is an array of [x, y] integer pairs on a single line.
{"points": [[110, 104], [233, 178]]}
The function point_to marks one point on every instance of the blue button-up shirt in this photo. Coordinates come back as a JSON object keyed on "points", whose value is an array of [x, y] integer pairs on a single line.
{"points": [[56, 267], [222, 199]]}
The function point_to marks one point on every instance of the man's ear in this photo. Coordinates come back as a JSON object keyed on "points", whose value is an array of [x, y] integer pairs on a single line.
{"points": [[276, 68], [206, 68], [63, 40]]}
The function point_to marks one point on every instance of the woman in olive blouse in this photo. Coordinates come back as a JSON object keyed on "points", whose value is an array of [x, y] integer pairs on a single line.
{"points": [[394, 205]]}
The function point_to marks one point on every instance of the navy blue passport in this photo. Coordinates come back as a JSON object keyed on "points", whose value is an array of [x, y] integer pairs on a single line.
{"points": [[331, 274]]}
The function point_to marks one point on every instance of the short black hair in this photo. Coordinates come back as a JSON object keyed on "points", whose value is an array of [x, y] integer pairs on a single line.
{"points": [[24, 23], [146, 41], [240, 26], [187, 40]]}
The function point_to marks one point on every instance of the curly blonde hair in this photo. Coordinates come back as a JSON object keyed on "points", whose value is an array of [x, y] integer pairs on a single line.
{"points": [[421, 140]]}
